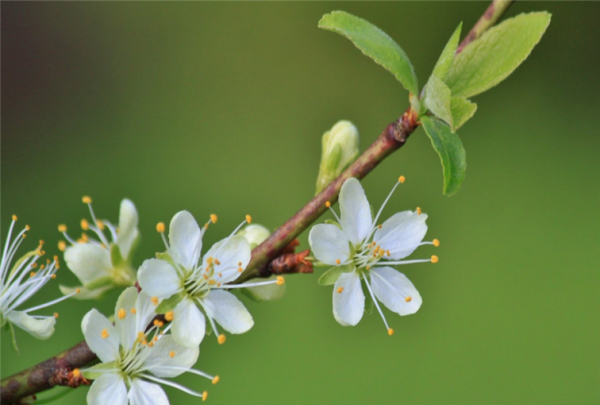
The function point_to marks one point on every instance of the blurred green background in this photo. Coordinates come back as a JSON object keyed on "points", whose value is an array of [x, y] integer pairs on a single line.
{"points": [[219, 107]]}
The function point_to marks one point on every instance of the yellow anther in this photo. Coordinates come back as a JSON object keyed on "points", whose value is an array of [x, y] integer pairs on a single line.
{"points": [[55, 257], [419, 211], [144, 342], [213, 218], [212, 281], [436, 242], [53, 276], [248, 219], [387, 252], [104, 334], [221, 339], [390, 331], [401, 179], [368, 267], [339, 290], [141, 336], [160, 227], [62, 228], [408, 299], [204, 395], [62, 246], [27, 227], [156, 322], [34, 265], [100, 224], [33, 273], [85, 225], [86, 199], [328, 204], [84, 238], [24, 236], [121, 314], [78, 290], [338, 261], [150, 344], [76, 372], [240, 264], [56, 314], [379, 226], [133, 311], [169, 316], [220, 274], [14, 217], [217, 262], [154, 300], [280, 280], [171, 354], [41, 242], [240, 270], [434, 259], [216, 379], [209, 261], [377, 249], [43, 265]]}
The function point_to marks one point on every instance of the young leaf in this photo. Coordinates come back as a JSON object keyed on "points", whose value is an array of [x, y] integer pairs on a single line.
{"points": [[437, 99], [445, 61], [496, 54], [462, 111], [375, 44], [13, 337], [451, 152], [331, 275]]}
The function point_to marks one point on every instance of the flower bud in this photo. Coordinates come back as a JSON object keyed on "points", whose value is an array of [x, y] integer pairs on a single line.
{"points": [[255, 234], [340, 149]]}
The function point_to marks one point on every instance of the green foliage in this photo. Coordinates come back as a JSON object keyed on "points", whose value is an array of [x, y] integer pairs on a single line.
{"points": [[496, 54], [442, 67], [462, 111], [331, 275], [170, 303], [437, 99], [374, 43], [452, 154]]}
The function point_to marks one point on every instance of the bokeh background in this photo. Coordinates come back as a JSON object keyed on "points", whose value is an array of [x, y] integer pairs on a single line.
{"points": [[219, 107]]}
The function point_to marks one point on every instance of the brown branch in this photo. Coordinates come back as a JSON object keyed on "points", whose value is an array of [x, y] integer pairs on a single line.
{"points": [[268, 258]]}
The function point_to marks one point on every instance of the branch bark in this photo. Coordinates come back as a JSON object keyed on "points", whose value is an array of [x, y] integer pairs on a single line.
{"points": [[52, 372]]}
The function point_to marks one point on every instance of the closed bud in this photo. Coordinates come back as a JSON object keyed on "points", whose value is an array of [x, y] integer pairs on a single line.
{"points": [[340, 149], [255, 234]]}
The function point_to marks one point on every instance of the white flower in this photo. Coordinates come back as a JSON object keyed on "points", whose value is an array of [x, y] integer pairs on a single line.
{"points": [[133, 357], [102, 264], [20, 283], [191, 285], [358, 249]]}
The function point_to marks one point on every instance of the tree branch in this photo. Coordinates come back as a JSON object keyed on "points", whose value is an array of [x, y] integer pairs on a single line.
{"points": [[58, 370]]}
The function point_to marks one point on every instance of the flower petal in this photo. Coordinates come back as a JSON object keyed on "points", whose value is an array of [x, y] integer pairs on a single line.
{"points": [[125, 320], [158, 278], [109, 388], [145, 311], [88, 262], [84, 293], [128, 232], [39, 328], [185, 239], [228, 311], [401, 233], [349, 304], [395, 291], [355, 212], [93, 326], [146, 393], [189, 325], [329, 244], [166, 354], [229, 252]]}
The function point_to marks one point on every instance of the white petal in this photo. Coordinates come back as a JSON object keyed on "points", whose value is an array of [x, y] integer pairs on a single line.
{"points": [[329, 244], [158, 278], [89, 262], [188, 324], [146, 393], [394, 289], [348, 305], [228, 311], [39, 328], [355, 211], [145, 311], [185, 239], [84, 293], [125, 320], [160, 362], [92, 325], [401, 234], [230, 254], [128, 232], [109, 388]]}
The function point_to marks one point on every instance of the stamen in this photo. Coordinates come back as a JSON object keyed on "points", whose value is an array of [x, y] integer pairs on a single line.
{"points": [[76, 372], [100, 224], [408, 299], [339, 290], [434, 259], [86, 200], [133, 311], [14, 217], [154, 300], [216, 379], [204, 395], [213, 218], [401, 179], [62, 228], [248, 219], [62, 245], [171, 354], [85, 224], [160, 227], [169, 316], [221, 339], [418, 210], [328, 204], [121, 314], [104, 334], [436, 243], [377, 304], [280, 280], [338, 261], [55, 314], [390, 331]]}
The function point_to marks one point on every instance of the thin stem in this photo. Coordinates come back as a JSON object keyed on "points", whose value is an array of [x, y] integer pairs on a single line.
{"points": [[486, 21]]}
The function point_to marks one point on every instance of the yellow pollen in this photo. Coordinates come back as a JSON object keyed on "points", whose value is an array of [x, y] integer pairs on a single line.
{"points": [[56, 314], [379, 226], [376, 249], [212, 282], [121, 314], [55, 257], [100, 224], [204, 395], [387, 252], [338, 261], [205, 276], [419, 212], [368, 267], [240, 264], [104, 334], [85, 225], [160, 227], [217, 262], [41, 242], [220, 274], [280, 280], [401, 179], [62, 228], [154, 300], [408, 299], [156, 322], [216, 379], [209, 261], [33, 273], [62, 246], [248, 219], [339, 290], [390, 331], [27, 227], [169, 316], [150, 344], [144, 343], [24, 236], [221, 339], [436, 242], [34, 265], [14, 217], [133, 311], [434, 259], [43, 265], [171, 354], [78, 290], [240, 270], [86, 199], [84, 237], [53, 276], [328, 204], [140, 336], [218, 284], [213, 218], [76, 372]]}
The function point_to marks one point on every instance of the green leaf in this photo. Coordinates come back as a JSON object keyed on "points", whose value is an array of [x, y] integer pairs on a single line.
{"points": [[442, 67], [375, 44], [451, 152], [331, 275], [97, 370], [13, 337], [462, 111], [170, 303], [437, 99], [496, 54]]}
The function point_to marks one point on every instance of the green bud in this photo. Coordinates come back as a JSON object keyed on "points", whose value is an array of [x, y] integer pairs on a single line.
{"points": [[255, 234], [340, 149]]}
